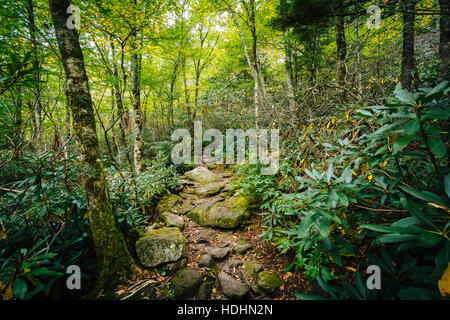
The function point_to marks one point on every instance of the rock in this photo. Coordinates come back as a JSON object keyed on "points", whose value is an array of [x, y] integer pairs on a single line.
{"points": [[218, 253], [231, 287], [160, 246], [185, 182], [231, 265], [228, 214], [268, 281], [205, 261], [250, 270], [153, 226], [186, 206], [185, 283], [227, 174], [177, 265], [204, 292], [192, 224], [168, 203], [202, 175], [209, 189], [173, 220], [242, 247], [207, 234]]}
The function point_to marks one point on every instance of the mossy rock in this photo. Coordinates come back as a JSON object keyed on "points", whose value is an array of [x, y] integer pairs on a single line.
{"points": [[209, 189], [268, 281], [172, 220], [173, 267], [185, 283], [160, 246], [250, 270], [168, 203], [202, 175], [228, 214]]}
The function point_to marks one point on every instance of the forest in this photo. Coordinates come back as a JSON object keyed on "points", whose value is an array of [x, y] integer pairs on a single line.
{"points": [[224, 149]]}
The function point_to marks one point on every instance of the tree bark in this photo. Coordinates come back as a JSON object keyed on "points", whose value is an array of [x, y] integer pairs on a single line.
{"points": [[406, 77], [444, 41], [136, 102], [37, 107], [114, 259], [341, 47]]}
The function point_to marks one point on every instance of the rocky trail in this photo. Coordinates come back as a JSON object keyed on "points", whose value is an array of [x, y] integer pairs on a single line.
{"points": [[205, 245]]}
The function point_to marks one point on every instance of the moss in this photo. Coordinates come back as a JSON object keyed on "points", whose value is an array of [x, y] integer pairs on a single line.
{"points": [[160, 246], [186, 283], [167, 203], [268, 281]]}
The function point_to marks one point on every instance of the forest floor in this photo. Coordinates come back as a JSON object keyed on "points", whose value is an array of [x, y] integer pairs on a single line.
{"points": [[201, 239]]}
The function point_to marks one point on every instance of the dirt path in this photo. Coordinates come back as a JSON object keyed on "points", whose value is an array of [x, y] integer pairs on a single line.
{"points": [[224, 258]]}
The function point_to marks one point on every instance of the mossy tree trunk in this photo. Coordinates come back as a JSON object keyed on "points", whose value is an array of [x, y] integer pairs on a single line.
{"points": [[114, 259]]}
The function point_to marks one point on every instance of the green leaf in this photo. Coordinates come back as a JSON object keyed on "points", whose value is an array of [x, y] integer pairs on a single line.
{"points": [[302, 296], [394, 238], [412, 127], [406, 97], [324, 228], [437, 147], [425, 195], [401, 143], [20, 288], [447, 185], [332, 199]]}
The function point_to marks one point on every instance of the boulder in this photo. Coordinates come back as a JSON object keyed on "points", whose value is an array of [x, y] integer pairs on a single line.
{"points": [[242, 247], [250, 269], [168, 203], [153, 226], [173, 220], [231, 287], [185, 283], [205, 261], [228, 214], [209, 189], [268, 281], [177, 265], [202, 175], [218, 253], [160, 246], [204, 292]]}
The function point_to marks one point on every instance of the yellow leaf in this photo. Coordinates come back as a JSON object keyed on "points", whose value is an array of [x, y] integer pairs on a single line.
{"points": [[444, 283], [8, 293]]}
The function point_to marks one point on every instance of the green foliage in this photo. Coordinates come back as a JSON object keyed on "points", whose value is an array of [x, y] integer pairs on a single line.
{"points": [[386, 184], [131, 198], [43, 227]]}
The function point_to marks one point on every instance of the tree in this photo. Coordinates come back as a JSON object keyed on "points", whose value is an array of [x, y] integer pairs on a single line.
{"points": [[444, 41], [408, 44], [341, 47], [114, 259]]}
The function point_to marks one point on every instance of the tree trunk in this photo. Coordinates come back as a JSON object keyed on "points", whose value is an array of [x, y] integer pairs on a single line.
{"points": [[444, 41], [37, 107], [341, 47], [408, 44], [288, 68], [358, 49], [136, 102], [114, 259], [253, 71]]}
